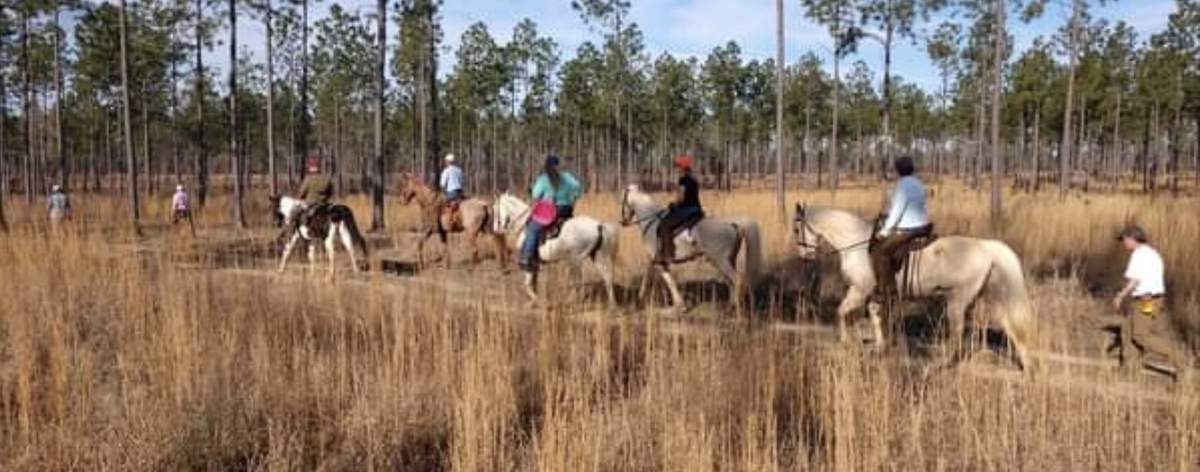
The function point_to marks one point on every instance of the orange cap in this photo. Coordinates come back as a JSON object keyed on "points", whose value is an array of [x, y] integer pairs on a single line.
{"points": [[684, 161]]}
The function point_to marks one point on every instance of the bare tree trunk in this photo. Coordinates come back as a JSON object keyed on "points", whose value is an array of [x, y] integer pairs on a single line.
{"points": [[997, 77], [837, 92], [780, 141], [202, 157], [130, 165], [305, 126], [235, 159], [1117, 147], [146, 164], [377, 214], [1066, 151], [175, 107], [27, 68], [63, 168], [269, 20], [1037, 146]]}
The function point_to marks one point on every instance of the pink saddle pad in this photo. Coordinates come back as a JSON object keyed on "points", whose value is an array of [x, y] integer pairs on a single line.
{"points": [[543, 212]]}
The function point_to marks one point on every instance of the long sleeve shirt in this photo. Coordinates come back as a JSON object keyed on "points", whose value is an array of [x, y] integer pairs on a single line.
{"points": [[451, 179], [908, 209], [58, 205], [568, 191], [180, 201]]}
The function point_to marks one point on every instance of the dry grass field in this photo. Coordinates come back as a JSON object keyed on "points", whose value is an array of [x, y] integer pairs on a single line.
{"points": [[158, 352]]}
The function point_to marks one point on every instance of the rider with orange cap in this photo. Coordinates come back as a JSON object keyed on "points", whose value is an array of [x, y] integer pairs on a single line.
{"points": [[685, 210]]}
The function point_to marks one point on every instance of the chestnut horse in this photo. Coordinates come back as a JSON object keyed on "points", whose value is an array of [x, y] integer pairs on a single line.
{"points": [[473, 217]]}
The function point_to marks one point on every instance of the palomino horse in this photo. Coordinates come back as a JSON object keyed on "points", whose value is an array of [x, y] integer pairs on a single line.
{"points": [[720, 240], [339, 225], [580, 239], [473, 217], [958, 268]]}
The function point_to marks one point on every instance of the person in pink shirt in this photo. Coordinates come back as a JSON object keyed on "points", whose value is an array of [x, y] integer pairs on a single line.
{"points": [[181, 208]]}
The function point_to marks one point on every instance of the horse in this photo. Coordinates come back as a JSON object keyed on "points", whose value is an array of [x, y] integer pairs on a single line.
{"points": [[720, 240], [474, 216], [959, 269], [580, 239], [340, 225]]}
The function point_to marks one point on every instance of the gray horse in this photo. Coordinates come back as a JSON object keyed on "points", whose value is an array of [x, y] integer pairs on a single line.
{"points": [[958, 268], [720, 240]]}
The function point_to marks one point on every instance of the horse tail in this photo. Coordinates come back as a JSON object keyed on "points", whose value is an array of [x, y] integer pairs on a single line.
{"points": [[1006, 287], [751, 237]]}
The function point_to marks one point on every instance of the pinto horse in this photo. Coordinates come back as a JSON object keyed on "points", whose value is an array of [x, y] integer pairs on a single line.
{"points": [[338, 224]]}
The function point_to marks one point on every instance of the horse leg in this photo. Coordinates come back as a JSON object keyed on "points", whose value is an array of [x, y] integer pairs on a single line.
{"points": [[312, 255], [726, 265], [854, 300], [330, 249], [873, 311], [445, 237], [647, 281], [348, 243], [956, 313], [676, 297], [501, 251], [421, 248], [473, 239], [287, 251], [605, 268]]}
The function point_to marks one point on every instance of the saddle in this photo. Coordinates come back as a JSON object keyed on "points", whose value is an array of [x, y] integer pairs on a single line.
{"points": [[895, 252], [552, 231], [317, 220]]}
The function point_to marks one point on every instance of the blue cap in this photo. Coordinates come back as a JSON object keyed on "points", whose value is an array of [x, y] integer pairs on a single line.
{"points": [[551, 161]]}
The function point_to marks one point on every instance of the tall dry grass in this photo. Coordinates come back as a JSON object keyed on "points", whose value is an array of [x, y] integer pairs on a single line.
{"points": [[112, 359]]}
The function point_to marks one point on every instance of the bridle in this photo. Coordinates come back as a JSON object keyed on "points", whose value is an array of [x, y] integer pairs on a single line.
{"points": [[629, 217], [815, 246]]}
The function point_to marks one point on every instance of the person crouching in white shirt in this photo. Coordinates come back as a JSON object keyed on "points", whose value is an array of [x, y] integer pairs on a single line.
{"points": [[1147, 328]]}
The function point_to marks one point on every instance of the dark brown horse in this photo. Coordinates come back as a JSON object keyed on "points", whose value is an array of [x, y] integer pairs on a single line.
{"points": [[473, 217]]}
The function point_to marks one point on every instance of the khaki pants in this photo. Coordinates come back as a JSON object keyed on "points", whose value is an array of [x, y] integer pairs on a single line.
{"points": [[1147, 329], [885, 258]]}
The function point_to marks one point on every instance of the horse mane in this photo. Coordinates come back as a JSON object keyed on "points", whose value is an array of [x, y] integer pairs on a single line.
{"points": [[839, 226]]}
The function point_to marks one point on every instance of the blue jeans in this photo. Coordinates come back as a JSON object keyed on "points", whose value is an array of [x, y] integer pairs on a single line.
{"points": [[533, 235], [454, 195]]}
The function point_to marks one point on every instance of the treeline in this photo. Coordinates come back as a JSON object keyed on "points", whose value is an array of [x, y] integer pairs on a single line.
{"points": [[1088, 106]]}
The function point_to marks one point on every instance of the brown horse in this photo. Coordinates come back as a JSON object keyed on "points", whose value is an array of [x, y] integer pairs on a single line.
{"points": [[472, 217]]}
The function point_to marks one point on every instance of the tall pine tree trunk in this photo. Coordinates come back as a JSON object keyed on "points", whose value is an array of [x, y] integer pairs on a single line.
{"points": [[271, 161], [1064, 157], [997, 77], [377, 214], [127, 130], [202, 156], [27, 79], [63, 168], [235, 158]]}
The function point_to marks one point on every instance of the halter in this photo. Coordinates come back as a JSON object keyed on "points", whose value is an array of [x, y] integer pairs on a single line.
{"points": [[802, 241], [628, 216]]}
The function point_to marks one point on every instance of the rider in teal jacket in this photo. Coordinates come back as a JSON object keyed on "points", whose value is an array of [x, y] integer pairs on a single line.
{"points": [[561, 188]]}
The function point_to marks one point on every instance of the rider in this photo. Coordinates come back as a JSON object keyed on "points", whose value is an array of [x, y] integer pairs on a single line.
{"points": [[562, 189], [181, 208], [683, 211], [907, 219], [58, 205], [316, 191], [451, 181]]}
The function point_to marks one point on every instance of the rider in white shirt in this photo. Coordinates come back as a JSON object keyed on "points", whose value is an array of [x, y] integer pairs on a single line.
{"points": [[451, 181], [907, 219], [1147, 326]]}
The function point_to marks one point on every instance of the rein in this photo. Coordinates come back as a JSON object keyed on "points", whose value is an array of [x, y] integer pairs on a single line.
{"points": [[816, 247], [628, 215]]}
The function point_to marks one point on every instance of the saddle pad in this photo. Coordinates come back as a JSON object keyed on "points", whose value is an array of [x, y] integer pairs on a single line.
{"points": [[543, 212]]}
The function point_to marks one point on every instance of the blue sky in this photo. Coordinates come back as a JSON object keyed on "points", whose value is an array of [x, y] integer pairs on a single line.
{"points": [[694, 27]]}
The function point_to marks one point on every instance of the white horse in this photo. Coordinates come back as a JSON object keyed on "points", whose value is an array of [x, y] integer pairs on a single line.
{"points": [[719, 240], [340, 224], [580, 239], [960, 269]]}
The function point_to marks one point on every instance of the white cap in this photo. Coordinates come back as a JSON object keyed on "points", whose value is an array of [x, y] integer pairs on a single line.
{"points": [[55, 188], [450, 157], [178, 188]]}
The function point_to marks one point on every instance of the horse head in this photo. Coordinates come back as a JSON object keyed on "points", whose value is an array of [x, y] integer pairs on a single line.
{"points": [[806, 239], [408, 189], [628, 211]]}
